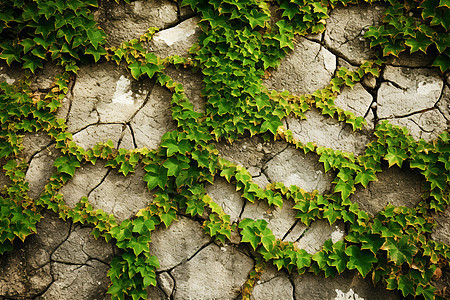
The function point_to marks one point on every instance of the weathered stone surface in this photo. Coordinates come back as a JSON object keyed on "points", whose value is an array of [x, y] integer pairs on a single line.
{"points": [[399, 187], [81, 246], [177, 243], [86, 178], [121, 196], [34, 143], [73, 282], [426, 125], [293, 167], [441, 233], [309, 286], [279, 220], [98, 133], [153, 120], [40, 170], [415, 60], [25, 272], [156, 293], [127, 139], [104, 93], [444, 103], [261, 180], [123, 22], [225, 194], [308, 68], [357, 101], [9, 74], [328, 132], [17, 280], [415, 89], [346, 28], [251, 153], [278, 287], [166, 282], [226, 270], [45, 77], [295, 232], [176, 40], [318, 232], [186, 12], [192, 84], [369, 81], [51, 232]]}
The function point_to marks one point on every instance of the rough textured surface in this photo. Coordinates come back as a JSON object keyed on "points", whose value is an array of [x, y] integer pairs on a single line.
{"points": [[34, 143], [86, 178], [226, 269], [192, 83], [308, 287], [423, 125], [26, 272], [45, 77], [123, 22], [441, 233], [416, 89], [399, 187], [346, 28], [176, 40], [40, 170], [153, 120], [328, 132], [81, 246], [251, 153], [278, 287], [177, 243], [357, 101], [98, 133], [122, 197], [279, 220], [104, 93], [318, 232], [104, 102], [225, 194], [444, 103], [308, 68], [293, 167], [88, 280]]}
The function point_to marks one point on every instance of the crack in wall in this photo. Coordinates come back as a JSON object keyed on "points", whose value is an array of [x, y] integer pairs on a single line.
{"points": [[103, 179], [290, 229], [132, 135], [410, 114], [293, 286]]}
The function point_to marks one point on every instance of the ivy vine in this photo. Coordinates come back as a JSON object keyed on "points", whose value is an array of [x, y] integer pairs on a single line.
{"points": [[394, 246]]}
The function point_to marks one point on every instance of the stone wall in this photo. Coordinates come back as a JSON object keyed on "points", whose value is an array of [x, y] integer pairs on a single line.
{"points": [[64, 261]]}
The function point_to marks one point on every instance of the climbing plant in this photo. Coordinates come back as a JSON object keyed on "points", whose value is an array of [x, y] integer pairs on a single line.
{"points": [[242, 41]]}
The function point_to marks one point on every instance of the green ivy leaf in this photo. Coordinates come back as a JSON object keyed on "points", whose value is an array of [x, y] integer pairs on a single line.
{"points": [[395, 156], [361, 260], [405, 284], [365, 176], [338, 257], [249, 236], [400, 251]]}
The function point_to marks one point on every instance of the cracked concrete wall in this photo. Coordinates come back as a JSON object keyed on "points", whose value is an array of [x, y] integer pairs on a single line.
{"points": [[63, 261]]}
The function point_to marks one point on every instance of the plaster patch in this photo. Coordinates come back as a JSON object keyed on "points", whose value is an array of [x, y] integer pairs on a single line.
{"points": [[123, 94], [425, 88], [8, 79], [350, 295], [337, 235], [329, 61], [178, 33]]}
